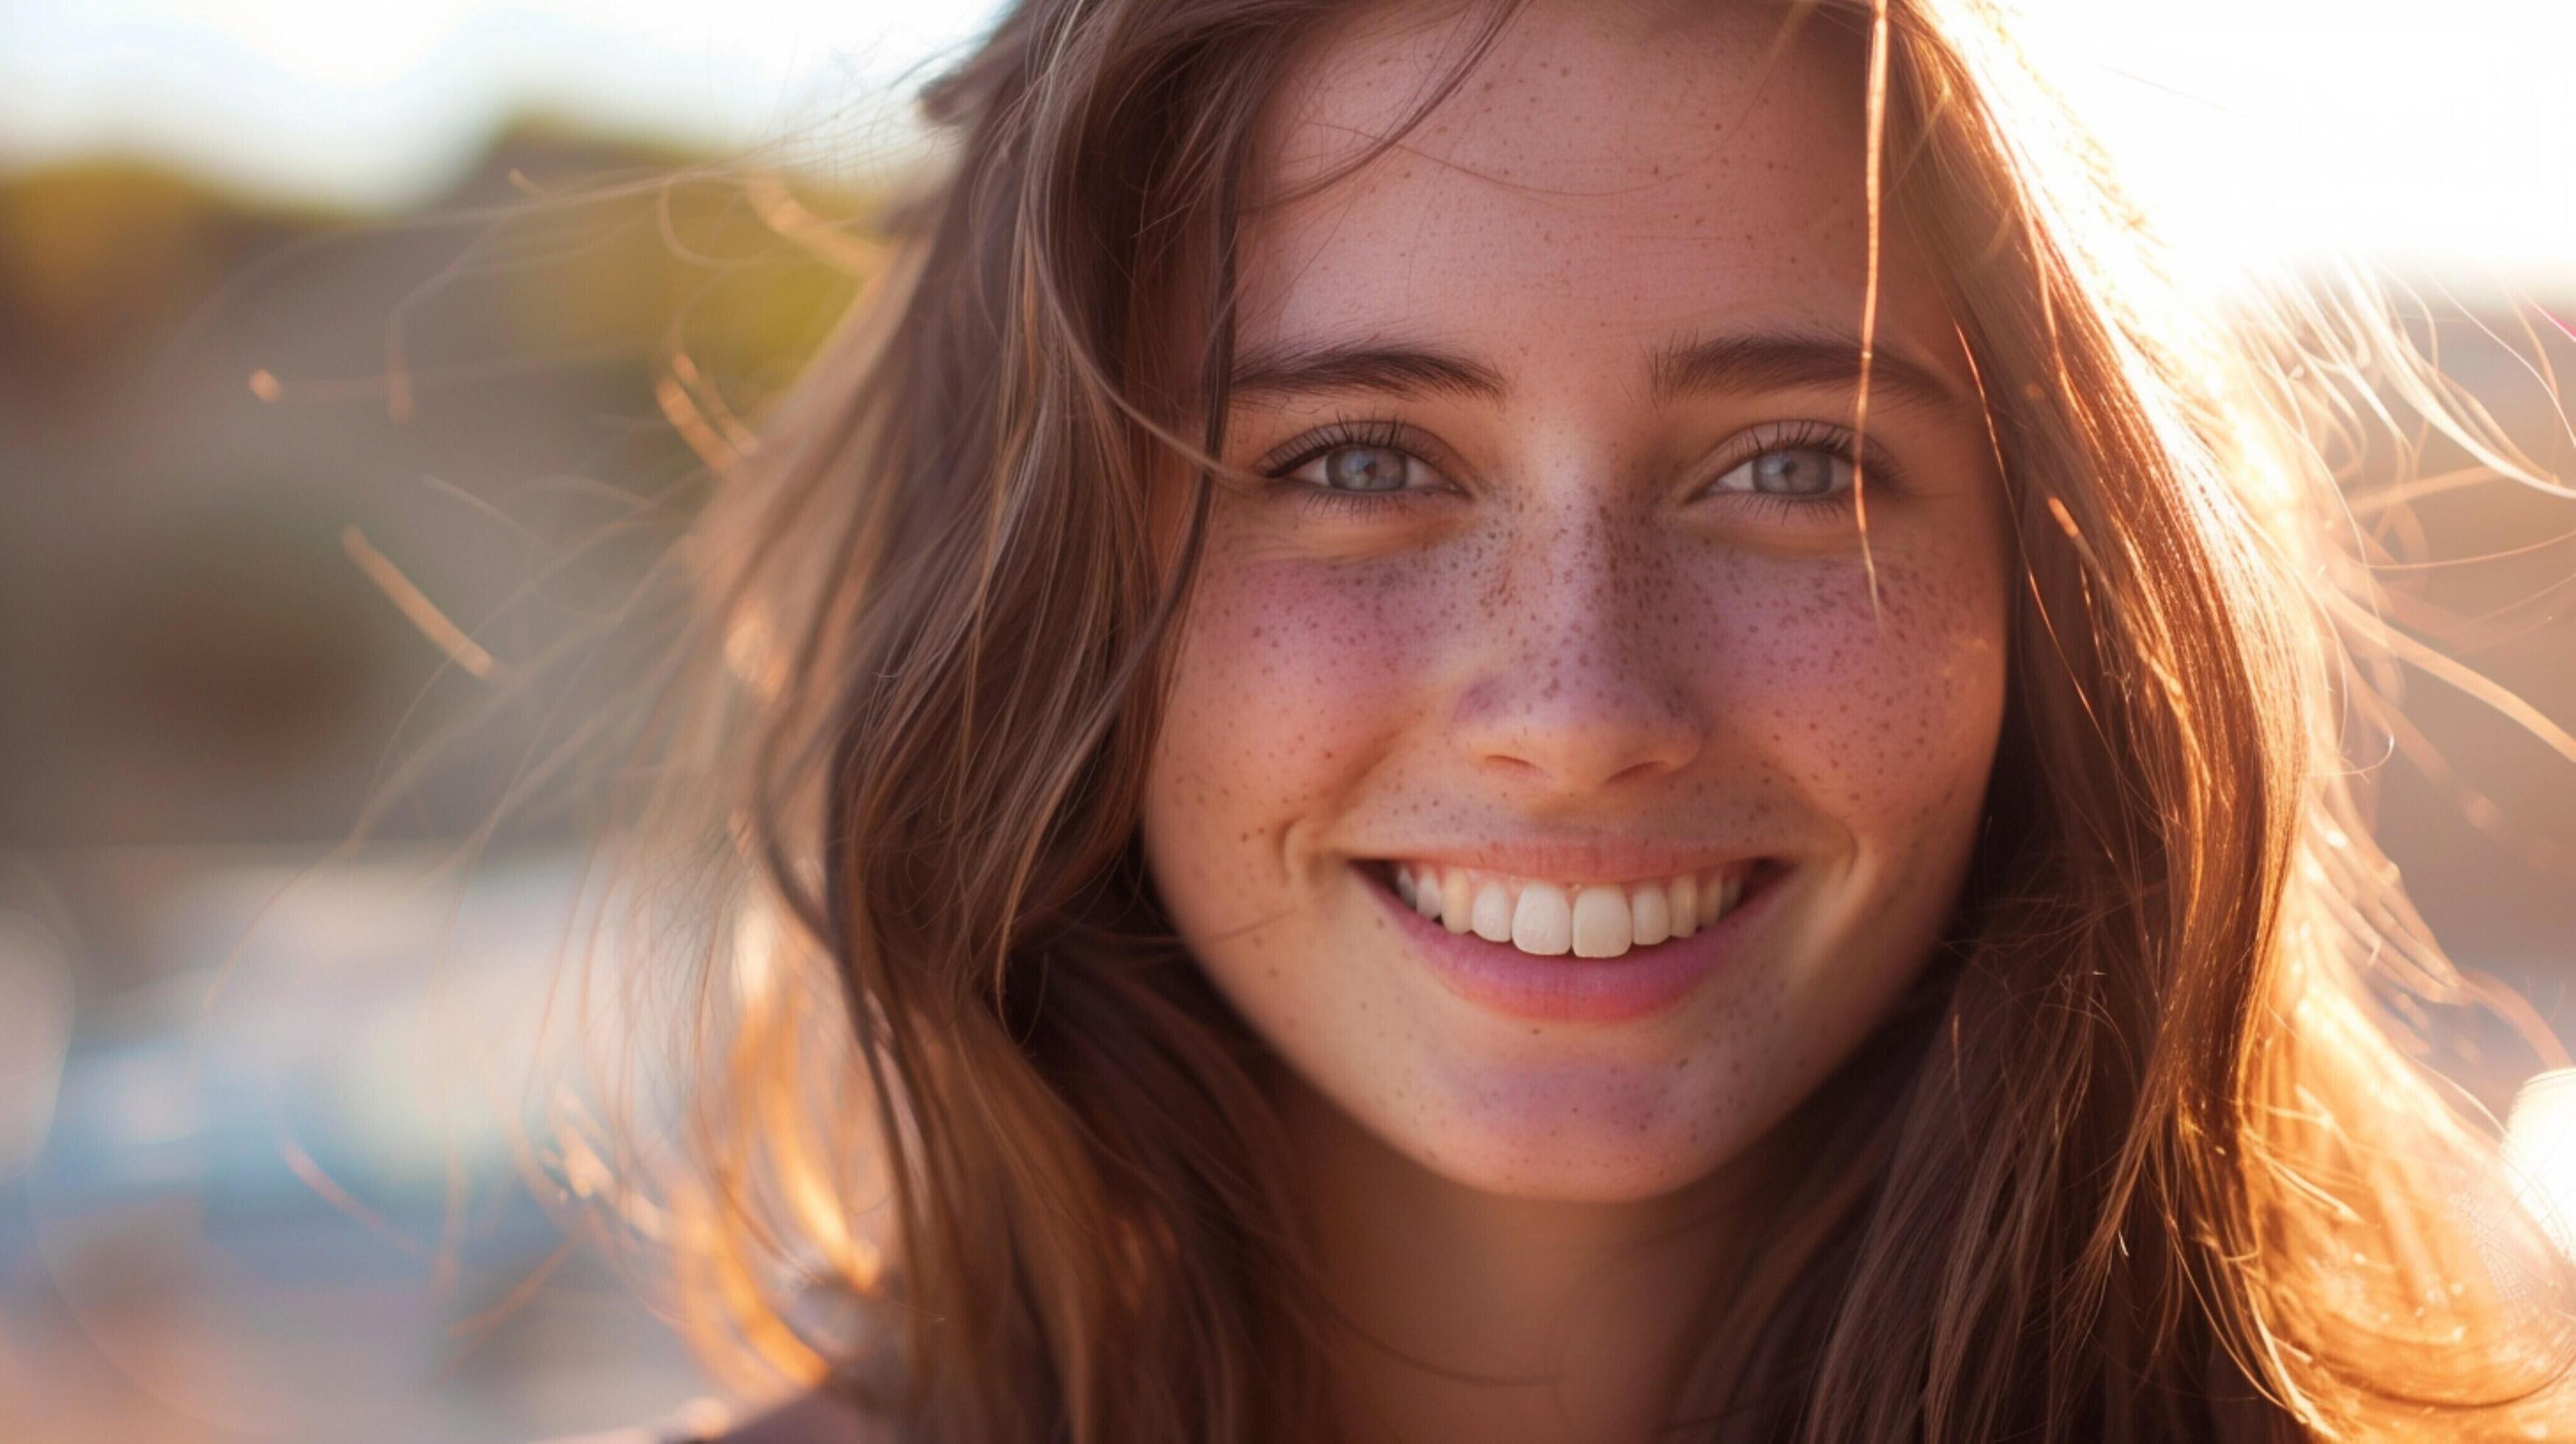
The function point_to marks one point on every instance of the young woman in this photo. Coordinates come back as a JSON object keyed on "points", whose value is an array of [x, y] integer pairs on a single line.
{"points": [[1569, 722]]}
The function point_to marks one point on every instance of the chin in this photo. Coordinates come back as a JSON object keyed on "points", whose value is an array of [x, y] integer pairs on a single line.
{"points": [[1586, 1134]]}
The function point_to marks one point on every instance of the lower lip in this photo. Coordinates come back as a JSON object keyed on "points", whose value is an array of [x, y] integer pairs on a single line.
{"points": [[1567, 989]]}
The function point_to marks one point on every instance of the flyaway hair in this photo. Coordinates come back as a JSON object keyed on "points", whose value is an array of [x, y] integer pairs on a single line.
{"points": [[2163, 1147]]}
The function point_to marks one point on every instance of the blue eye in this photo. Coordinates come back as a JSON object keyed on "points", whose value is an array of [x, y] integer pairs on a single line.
{"points": [[1790, 472], [1359, 467]]}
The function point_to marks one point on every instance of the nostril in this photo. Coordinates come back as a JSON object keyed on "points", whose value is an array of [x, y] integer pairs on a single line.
{"points": [[1638, 771], [1580, 744]]}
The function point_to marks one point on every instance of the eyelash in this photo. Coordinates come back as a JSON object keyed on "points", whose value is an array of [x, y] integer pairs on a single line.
{"points": [[1836, 441], [1332, 437], [1747, 445]]}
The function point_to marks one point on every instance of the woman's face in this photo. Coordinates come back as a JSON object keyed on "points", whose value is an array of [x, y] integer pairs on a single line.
{"points": [[1543, 778]]}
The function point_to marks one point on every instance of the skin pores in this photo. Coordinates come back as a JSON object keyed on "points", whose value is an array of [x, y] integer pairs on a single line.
{"points": [[1601, 613]]}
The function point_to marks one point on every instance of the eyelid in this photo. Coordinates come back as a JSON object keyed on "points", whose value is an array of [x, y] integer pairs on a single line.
{"points": [[1868, 458], [1342, 431]]}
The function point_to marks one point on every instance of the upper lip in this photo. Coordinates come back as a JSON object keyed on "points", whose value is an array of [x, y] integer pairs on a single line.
{"points": [[1575, 861]]}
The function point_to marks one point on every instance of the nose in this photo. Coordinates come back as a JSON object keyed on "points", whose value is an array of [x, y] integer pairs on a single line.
{"points": [[1584, 683]]}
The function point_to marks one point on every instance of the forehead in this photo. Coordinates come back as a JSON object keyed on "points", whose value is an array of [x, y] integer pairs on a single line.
{"points": [[1608, 175]]}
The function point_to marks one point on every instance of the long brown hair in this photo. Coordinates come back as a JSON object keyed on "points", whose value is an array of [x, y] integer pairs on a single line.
{"points": [[2160, 1154]]}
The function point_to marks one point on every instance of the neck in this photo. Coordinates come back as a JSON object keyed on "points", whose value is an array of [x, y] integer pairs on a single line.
{"points": [[1482, 1316]]}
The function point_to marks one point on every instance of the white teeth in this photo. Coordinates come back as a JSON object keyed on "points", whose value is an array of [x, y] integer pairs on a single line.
{"points": [[1493, 915], [1426, 894], [1454, 907], [1590, 920], [1685, 906], [1600, 923], [1650, 916], [1542, 922]]}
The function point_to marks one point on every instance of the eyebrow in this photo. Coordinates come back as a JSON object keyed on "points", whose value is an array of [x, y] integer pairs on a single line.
{"points": [[1399, 370], [1739, 361], [1794, 360]]}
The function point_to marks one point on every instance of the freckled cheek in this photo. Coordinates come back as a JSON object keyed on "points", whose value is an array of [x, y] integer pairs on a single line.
{"points": [[1879, 718], [1293, 677]]}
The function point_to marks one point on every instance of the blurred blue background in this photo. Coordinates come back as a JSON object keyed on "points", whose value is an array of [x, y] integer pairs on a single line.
{"points": [[335, 359]]}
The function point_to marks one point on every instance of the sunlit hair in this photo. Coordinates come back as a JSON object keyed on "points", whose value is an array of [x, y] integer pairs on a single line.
{"points": [[2161, 1147]]}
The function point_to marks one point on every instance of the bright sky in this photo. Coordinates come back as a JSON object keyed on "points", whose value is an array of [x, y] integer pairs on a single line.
{"points": [[2269, 129]]}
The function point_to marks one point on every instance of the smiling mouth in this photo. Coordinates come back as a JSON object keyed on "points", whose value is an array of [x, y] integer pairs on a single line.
{"points": [[1552, 919]]}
